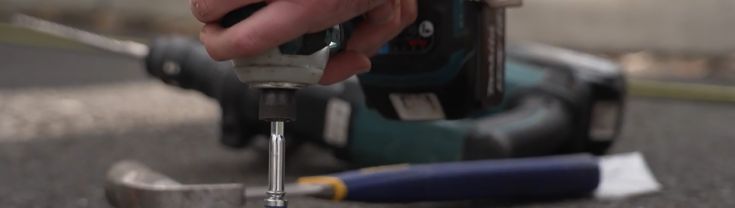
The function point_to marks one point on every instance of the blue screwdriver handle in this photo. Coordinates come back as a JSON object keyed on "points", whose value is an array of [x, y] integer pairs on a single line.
{"points": [[529, 178]]}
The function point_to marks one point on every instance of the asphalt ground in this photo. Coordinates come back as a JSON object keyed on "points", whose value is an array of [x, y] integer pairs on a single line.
{"points": [[67, 115]]}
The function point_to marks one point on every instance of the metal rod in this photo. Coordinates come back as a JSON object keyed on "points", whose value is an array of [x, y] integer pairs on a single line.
{"points": [[276, 193], [130, 48]]}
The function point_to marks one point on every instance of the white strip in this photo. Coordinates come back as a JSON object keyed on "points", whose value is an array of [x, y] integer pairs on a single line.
{"points": [[417, 106], [337, 122], [625, 175]]}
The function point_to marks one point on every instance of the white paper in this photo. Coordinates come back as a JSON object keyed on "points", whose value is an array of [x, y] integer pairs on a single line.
{"points": [[625, 175]]}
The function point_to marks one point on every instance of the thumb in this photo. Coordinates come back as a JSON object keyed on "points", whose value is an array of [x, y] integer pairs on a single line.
{"points": [[343, 65]]}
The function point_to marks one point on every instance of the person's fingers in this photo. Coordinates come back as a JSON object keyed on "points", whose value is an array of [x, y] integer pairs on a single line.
{"points": [[368, 37], [208, 11], [383, 13], [343, 65], [265, 29], [409, 12], [352, 8], [210, 32], [279, 22]]}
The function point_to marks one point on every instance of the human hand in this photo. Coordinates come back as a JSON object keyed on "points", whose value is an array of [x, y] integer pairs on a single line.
{"points": [[284, 20]]}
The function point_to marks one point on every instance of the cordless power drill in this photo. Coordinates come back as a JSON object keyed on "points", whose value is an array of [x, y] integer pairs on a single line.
{"points": [[555, 101], [446, 65]]}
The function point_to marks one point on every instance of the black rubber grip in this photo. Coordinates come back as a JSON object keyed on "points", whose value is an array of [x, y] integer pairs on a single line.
{"points": [[537, 125], [304, 45], [240, 14]]}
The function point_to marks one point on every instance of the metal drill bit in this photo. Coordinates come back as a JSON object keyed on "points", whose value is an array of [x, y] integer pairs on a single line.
{"points": [[276, 193]]}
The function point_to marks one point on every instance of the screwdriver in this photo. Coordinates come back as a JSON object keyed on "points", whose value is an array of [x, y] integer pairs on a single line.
{"points": [[131, 184]]}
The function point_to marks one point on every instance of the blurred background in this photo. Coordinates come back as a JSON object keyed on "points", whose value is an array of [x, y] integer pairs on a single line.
{"points": [[63, 104], [654, 37]]}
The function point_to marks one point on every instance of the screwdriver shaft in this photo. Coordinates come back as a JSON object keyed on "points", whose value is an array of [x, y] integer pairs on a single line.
{"points": [[276, 193]]}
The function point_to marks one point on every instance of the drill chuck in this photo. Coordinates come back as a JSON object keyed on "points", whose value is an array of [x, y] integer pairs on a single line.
{"points": [[277, 104]]}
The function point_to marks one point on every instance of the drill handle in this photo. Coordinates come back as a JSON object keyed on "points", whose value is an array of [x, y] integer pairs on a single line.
{"points": [[183, 62], [536, 125]]}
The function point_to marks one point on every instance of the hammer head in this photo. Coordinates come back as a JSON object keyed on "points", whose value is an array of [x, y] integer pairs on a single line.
{"points": [[133, 185]]}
